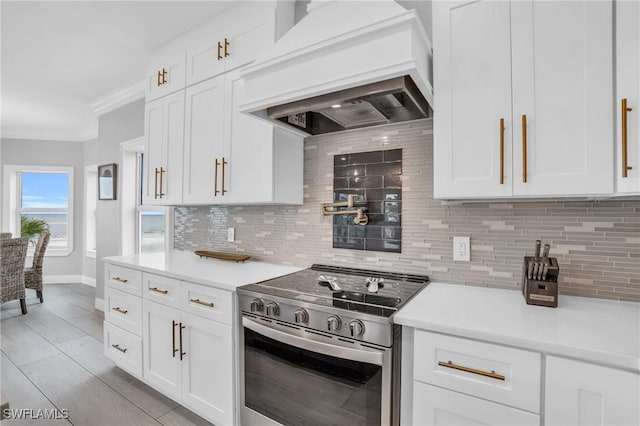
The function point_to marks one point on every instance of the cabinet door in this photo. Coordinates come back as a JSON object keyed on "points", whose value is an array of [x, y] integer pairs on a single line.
{"points": [[207, 369], [153, 150], [578, 393], [204, 58], [472, 74], [439, 407], [562, 82], [628, 86], [170, 183], [253, 32], [160, 337], [204, 142], [166, 74], [250, 160]]}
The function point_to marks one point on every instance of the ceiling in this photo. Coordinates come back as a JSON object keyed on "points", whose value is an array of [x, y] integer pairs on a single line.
{"points": [[59, 58]]}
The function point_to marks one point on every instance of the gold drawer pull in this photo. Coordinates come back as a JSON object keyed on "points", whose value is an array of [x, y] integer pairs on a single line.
{"points": [[625, 133], [524, 148], [122, 280], [491, 374], [157, 290], [200, 302], [502, 151], [123, 350], [117, 309]]}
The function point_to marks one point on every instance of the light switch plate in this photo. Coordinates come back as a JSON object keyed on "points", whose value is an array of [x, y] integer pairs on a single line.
{"points": [[462, 249], [231, 234]]}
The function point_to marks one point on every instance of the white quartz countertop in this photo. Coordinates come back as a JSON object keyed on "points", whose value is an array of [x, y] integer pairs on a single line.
{"points": [[187, 266], [596, 330]]}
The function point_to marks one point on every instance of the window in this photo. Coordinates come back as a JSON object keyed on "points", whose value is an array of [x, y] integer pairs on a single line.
{"points": [[90, 209], [151, 221], [44, 193]]}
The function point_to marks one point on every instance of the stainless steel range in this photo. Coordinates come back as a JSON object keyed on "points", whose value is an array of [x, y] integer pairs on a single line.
{"points": [[320, 347]]}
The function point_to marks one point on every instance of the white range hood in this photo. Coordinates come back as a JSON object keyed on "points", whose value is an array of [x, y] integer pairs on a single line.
{"points": [[346, 64]]}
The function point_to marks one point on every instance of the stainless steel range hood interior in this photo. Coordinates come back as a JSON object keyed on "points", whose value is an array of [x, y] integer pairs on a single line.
{"points": [[390, 101], [373, 58]]}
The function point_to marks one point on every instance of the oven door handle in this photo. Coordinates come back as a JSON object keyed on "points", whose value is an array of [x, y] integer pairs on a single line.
{"points": [[370, 357]]}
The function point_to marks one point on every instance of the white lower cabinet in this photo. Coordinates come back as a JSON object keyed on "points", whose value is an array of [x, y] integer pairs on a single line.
{"points": [[207, 376], [440, 407], [189, 359], [579, 393], [177, 338]]}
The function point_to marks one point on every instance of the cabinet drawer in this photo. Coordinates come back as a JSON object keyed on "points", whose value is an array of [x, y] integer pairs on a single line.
{"points": [[161, 289], [437, 406], [207, 302], [123, 348], [124, 279], [497, 373], [123, 310]]}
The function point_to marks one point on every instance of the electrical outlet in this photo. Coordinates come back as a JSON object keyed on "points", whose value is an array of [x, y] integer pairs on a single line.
{"points": [[462, 249], [231, 234]]}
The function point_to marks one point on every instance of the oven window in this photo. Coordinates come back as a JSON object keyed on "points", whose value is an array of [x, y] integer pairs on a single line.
{"points": [[295, 386]]}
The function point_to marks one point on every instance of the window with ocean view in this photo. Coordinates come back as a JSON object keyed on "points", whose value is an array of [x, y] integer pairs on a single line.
{"points": [[42, 193]]}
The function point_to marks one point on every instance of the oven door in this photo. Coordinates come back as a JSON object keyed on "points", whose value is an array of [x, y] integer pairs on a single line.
{"points": [[294, 376]]}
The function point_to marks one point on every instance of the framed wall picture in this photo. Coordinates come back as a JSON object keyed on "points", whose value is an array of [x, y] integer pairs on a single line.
{"points": [[107, 181]]}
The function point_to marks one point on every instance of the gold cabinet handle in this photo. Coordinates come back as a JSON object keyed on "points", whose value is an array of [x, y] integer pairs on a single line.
{"points": [[173, 338], [226, 47], [162, 77], [524, 148], [491, 374], [159, 79], [157, 290], [155, 185], [200, 302], [122, 280], [117, 346], [215, 178], [162, 172], [182, 353], [219, 49], [117, 309], [224, 163], [625, 136], [502, 151]]}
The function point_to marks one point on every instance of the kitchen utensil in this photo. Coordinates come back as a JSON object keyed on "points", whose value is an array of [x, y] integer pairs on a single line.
{"points": [[537, 251], [530, 270], [545, 263]]}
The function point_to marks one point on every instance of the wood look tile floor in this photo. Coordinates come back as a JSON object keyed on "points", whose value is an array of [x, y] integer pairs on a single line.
{"points": [[52, 358]]}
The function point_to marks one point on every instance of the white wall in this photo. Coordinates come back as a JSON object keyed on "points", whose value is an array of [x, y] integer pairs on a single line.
{"points": [[121, 125], [55, 153]]}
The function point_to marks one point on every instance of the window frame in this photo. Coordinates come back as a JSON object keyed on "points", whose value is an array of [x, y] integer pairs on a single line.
{"points": [[90, 207], [12, 203]]}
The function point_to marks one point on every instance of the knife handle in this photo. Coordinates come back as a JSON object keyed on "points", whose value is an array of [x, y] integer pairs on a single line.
{"points": [[545, 252], [545, 270], [530, 270], [538, 245]]}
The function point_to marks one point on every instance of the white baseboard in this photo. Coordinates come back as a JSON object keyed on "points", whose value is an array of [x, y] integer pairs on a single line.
{"points": [[69, 279], [100, 304]]}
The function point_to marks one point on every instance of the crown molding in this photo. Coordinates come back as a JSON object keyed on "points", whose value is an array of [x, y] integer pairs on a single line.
{"points": [[52, 134], [118, 99]]}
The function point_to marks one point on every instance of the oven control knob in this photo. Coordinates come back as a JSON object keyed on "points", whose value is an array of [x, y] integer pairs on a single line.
{"points": [[272, 309], [334, 323], [257, 305], [356, 328], [301, 315]]}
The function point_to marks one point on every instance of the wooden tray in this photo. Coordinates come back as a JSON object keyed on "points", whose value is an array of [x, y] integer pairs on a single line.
{"points": [[222, 256]]}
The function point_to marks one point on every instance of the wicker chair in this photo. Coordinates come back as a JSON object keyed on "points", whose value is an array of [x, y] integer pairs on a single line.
{"points": [[33, 275], [13, 253]]}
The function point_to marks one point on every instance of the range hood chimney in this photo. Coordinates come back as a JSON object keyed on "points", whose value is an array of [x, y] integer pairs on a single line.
{"points": [[345, 65]]}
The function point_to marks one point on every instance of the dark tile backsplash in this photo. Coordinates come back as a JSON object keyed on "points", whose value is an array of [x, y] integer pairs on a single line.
{"points": [[374, 177]]}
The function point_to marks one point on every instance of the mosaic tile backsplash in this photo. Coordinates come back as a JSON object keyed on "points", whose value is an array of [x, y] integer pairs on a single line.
{"points": [[597, 243], [373, 177]]}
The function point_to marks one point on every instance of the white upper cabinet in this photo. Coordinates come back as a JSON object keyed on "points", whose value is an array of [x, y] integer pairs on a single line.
{"points": [[232, 158], [628, 91], [164, 136], [223, 45], [546, 68], [205, 148], [166, 74], [473, 97]]}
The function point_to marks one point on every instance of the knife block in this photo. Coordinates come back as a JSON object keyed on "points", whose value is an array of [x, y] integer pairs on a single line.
{"points": [[541, 292]]}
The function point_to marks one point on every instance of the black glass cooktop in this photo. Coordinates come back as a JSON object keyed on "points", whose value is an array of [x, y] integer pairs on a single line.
{"points": [[394, 291]]}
